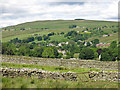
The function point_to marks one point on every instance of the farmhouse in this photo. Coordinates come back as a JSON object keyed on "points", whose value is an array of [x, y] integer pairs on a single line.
{"points": [[63, 52], [60, 44], [50, 44], [102, 45], [110, 35], [105, 35], [85, 31]]}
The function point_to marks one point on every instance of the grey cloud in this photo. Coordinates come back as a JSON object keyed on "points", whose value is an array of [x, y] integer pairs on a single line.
{"points": [[55, 10], [66, 3]]}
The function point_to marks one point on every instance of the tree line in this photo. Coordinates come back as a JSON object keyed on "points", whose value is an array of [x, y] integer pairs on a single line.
{"points": [[18, 47]]}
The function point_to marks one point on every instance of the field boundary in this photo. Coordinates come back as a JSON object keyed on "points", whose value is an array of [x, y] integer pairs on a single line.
{"points": [[104, 65]]}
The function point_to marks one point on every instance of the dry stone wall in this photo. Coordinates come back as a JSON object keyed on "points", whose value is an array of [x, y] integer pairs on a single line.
{"points": [[104, 75], [105, 65], [41, 74]]}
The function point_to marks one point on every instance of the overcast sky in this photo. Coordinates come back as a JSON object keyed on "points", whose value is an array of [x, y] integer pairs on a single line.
{"points": [[13, 12]]}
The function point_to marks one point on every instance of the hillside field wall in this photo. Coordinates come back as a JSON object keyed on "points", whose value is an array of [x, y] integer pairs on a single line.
{"points": [[105, 65], [42, 74]]}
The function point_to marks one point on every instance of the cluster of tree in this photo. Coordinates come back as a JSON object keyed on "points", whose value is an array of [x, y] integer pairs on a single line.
{"points": [[22, 28], [86, 53], [72, 26], [30, 39], [29, 50], [79, 19], [73, 35], [25, 49], [114, 31], [42, 28], [38, 38], [50, 34], [46, 37], [111, 53], [76, 45], [107, 54]]}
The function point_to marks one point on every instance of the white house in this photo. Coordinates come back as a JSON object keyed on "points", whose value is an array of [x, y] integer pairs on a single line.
{"points": [[105, 35], [60, 44], [50, 44], [66, 43], [63, 52]]}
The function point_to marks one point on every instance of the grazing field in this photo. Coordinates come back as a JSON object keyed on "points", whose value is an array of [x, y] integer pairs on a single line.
{"points": [[32, 82], [44, 62], [59, 38], [52, 68], [25, 82], [105, 39], [45, 27], [60, 46]]}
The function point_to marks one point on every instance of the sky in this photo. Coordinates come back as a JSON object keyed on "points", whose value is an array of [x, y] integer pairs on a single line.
{"points": [[13, 12]]}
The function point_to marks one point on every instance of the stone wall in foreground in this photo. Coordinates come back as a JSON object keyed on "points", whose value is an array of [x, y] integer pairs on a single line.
{"points": [[42, 74], [104, 75], [38, 73], [105, 65]]}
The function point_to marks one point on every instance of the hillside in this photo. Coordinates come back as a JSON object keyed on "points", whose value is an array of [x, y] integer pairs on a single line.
{"points": [[60, 54], [28, 29], [62, 39]]}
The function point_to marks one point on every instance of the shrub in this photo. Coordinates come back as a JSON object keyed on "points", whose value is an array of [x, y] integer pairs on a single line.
{"points": [[86, 53]]}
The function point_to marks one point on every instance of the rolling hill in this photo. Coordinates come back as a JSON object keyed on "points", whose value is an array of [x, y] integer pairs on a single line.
{"points": [[28, 29]]}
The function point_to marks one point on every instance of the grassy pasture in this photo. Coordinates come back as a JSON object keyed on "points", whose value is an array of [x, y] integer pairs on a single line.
{"points": [[58, 38], [53, 26], [25, 82], [105, 39], [52, 68], [33, 82]]}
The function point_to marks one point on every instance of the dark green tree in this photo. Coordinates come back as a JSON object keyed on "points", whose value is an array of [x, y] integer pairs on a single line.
{"points": [[39, 38], [86, 53], [88, 44], [37, 52], [106, 57], [95, 41], [113, 45], [8, 48], [49, 52]]}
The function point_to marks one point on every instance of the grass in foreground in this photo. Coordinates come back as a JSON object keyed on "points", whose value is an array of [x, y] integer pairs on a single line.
{"points": [[24, 82]]}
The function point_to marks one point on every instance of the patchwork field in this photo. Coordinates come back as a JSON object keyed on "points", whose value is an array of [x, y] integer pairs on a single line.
{"points": [[45, 27], [32, 60], [83, 80], [46, 62]]}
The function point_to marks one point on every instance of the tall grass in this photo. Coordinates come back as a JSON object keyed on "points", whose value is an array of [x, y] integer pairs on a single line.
{"points": [[24, 82]]}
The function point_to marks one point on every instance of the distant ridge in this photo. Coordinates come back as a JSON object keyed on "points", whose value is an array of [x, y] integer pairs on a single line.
{"points": [[79, 19]]}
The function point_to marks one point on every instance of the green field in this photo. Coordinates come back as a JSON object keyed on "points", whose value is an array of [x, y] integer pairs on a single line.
{"points": [[24, 82], [29, 29], [105, 39], [52, 68], [55, 26], [33, 82]]}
